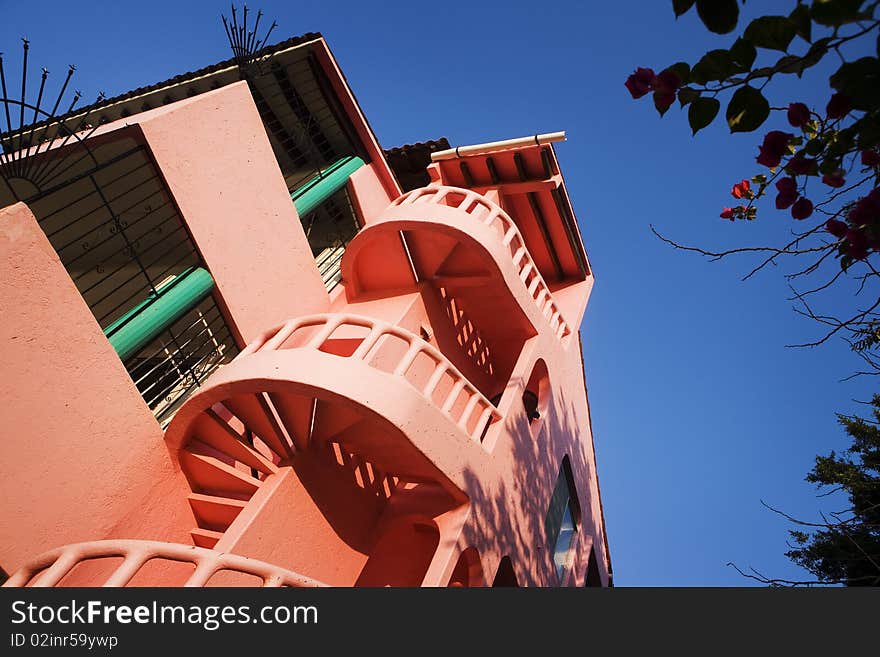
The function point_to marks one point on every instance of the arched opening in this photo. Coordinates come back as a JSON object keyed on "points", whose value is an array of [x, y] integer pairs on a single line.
{"points": [[505, 575], [402, 554], [468, 571], [536, 396]]}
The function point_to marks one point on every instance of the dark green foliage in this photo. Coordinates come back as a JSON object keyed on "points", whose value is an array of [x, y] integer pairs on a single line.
{"points": [[701, 112], [771, 32], [847, 549], [747, 110], [718, 16]]}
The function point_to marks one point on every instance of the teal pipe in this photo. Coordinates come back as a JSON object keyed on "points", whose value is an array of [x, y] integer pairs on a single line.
{"points": [[322, 186], [145, 322]]}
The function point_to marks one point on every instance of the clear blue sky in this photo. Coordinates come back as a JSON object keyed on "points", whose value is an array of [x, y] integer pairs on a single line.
{"points": [[699, 410]]}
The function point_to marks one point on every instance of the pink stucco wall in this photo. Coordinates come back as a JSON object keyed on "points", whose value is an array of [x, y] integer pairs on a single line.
{"points": [[221, 171], [90, 461], [81, 452]]}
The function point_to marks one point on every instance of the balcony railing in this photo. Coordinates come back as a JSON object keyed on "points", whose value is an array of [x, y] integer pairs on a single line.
{"points": [[442, 384], [485, 211], [51, 567]]}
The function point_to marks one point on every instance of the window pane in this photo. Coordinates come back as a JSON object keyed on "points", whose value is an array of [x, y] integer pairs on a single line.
{"points": [[564, 541]]}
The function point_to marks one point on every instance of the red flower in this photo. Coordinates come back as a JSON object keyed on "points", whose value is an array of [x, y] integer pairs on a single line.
{"points": [[835, 179], [798, 115], [866, 210], [784, 201], [836, 228], [801, 166], [740, 189], [727, 213], [667, 82], [786, 186], [838, 107], [802, 208], [788, 193], [774, 147], [640, 82], [858, 244], [870, 158]]}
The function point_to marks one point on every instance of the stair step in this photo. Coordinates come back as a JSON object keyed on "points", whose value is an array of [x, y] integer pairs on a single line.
{"points": [[212, 430], [208, 473], [213, 512], [254, 411], [205, 538], [428, 250], [463, 260], [295, 412], [376, 444], [332, 419]]}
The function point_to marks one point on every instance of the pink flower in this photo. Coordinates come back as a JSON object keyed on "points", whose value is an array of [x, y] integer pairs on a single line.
{"points": [[838, 107], [788, 193], [870, 158], [740, 189], [858, 244], [774, 147], [835, 179], [786, 186], [800, 165], [798, 115], [667, 81], [866, 210], [640, 82], [802, 208], [836, 228]]}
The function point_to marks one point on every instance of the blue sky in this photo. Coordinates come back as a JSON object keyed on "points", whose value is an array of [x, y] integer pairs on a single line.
{"points": [[699, 409]]}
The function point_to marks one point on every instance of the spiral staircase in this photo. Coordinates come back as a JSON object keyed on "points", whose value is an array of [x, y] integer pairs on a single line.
{"points": [[354, 394]]}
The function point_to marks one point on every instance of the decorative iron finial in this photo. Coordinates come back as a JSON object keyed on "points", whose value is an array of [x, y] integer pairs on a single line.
{"points": [[246, 44], [23, 146]]}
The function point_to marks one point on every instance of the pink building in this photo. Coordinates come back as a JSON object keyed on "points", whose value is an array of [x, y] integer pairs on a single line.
{"points": [[243, 345]]}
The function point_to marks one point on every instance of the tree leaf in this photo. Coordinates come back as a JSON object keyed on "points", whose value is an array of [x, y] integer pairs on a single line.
{"points": [[681, 6], [814, 55], [687, 95], [743, 53], [803, 25], [714, 65], [661, 109], [793, 64], [747, 110], [682, 70], [860, 82], [771, 32], [834, 13], [702, 112], [868, 135], [719, 16]]}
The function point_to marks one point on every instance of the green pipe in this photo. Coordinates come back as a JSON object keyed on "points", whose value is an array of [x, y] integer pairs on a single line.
{"points": [[142, 324], [322, 186]]}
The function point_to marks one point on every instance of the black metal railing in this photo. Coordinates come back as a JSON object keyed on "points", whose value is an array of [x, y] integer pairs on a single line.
{"points": [[120, 236]]}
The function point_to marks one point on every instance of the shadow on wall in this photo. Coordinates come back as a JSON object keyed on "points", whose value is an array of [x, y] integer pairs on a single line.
{"points": [[520, 533]]}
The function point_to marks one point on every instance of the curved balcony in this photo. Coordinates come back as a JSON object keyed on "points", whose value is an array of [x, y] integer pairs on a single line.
{"points": [[325, 415], [459, 240], [61, 567]]}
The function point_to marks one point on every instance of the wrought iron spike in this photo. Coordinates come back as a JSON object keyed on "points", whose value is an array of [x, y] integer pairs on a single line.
{"points": [[38, 129], [245, 43]]}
